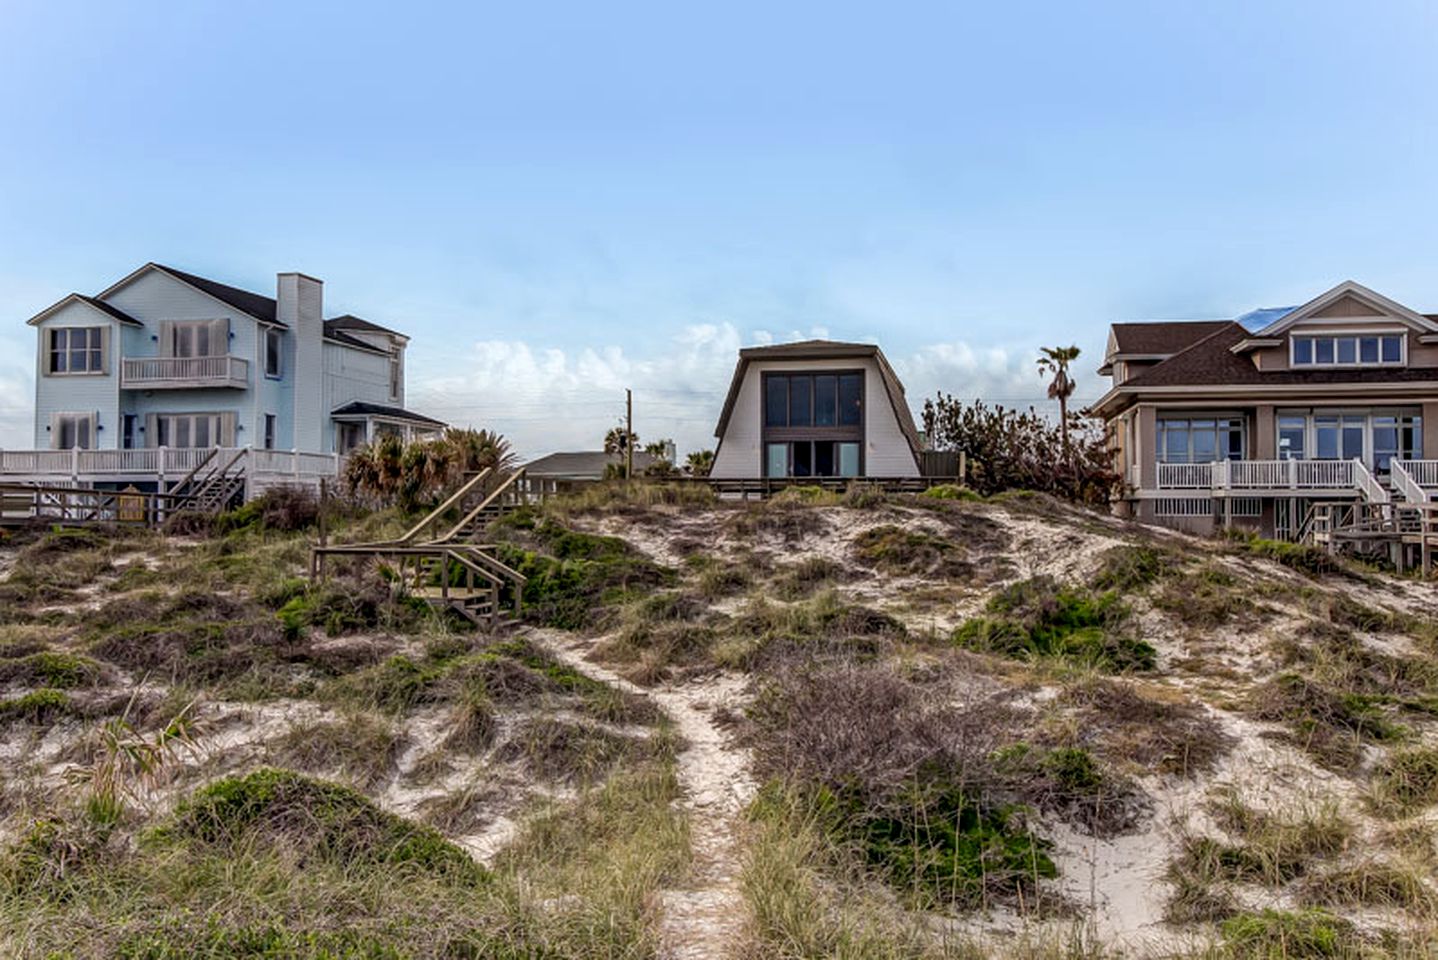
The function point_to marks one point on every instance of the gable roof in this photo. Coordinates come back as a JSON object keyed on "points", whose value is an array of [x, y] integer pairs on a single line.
{"points": [[105, 308], [349, 321], [1357, 292], [1162, 337], [825, 350], [584, 464]]}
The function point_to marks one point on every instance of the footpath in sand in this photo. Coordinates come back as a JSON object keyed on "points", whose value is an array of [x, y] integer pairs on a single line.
{"points": [[706, 916]]}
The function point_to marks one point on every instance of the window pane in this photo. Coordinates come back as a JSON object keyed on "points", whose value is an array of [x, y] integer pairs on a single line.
{"points": [[851, 391], [82, 433], [67, 433], [202, 431], [826, 400], [57, 361], [1347, 350], [803, 459], [1326, 436], [1368, 350], [777, 464], [1233, 446], [1352, 439], [1290, 442], [801, 410], [182, 431], [776, 402], [1302, 350], [1323, 350], [1205, 446], [823, 458], [1392, 349], [202, 343], [848, 459], [1175, 444]]}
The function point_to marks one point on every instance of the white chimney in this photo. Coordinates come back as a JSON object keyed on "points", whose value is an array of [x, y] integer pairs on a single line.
{"points": [[300, 306]]}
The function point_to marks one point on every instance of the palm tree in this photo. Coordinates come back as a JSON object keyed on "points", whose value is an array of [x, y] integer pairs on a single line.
{"points": [[471, 451], [700, 462], [1056, 360], [618, 440]]}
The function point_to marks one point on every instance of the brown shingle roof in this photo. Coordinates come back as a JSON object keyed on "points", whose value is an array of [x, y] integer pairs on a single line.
{"points": [[1211, 362], [1165, 337]]}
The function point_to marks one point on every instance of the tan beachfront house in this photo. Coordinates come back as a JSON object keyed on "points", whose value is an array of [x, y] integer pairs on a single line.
{"points": [[1250, 423]]}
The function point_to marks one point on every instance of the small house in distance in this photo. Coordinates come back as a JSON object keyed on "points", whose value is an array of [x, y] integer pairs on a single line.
{"points": [[815, 408], [563, 472]]}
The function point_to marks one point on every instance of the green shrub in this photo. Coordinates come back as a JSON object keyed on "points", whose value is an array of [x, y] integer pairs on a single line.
{"points": [[897, 550], [315, 818], [1284, 935], [580, 574], [951, 491], [1039, 618], [50, 668], [1306, 559], [39, 706], [1127, 567]]}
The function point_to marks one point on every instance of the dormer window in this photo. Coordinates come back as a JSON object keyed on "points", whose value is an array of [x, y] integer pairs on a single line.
{"points": [[1348, 350]]}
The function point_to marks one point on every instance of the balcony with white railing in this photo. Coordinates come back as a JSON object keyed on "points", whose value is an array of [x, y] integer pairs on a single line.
{"points": [[177, 373], [1272, 476], [158, 464]]}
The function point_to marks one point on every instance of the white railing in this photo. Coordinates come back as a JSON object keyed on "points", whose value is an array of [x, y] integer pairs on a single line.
{"points": [[1373, 491], [1423, 472], [1185, 476], [1403, 482], [159, 371], [1261, 475], [162, 463]]}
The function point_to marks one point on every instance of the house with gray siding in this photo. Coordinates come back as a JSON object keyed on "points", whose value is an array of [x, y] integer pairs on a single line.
{"points": [[164, 360]]}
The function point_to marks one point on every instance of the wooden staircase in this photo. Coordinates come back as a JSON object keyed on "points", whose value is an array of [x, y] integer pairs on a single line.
{"points": [[448, 566], [214, 485]]}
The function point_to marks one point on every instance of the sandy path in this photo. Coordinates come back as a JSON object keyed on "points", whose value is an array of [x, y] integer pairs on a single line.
{"points": [[706, 917]]}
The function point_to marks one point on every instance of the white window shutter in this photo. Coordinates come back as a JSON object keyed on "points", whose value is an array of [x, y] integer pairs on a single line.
{"points": [[227, 429], [90, 439], [105, 349], [54, 431]]}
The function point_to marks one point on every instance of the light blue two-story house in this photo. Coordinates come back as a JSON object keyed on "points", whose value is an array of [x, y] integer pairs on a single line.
{"points": [[164, 360]]}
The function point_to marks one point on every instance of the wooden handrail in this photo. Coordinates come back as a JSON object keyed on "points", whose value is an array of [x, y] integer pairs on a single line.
{"points": [[450, 501], [196, 469], [494, 494], [495, 565]]}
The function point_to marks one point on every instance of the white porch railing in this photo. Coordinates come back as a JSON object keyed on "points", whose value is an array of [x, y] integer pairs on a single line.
{"points": [[1415, 480], [1373, 491], [158, 463], [1259, 475], [157, 372]]}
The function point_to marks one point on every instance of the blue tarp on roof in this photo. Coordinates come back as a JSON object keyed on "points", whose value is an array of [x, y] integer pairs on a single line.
{"points": [[1255, 320]]}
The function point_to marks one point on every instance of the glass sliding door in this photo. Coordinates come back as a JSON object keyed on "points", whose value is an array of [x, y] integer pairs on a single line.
{"points": [[1376, 437]]}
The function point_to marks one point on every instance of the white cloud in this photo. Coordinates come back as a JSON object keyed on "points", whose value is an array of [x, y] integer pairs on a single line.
{"points": [[551, 398]]}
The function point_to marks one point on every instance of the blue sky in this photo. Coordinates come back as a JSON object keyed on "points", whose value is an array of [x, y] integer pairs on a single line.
{"points": [[561, 200]]}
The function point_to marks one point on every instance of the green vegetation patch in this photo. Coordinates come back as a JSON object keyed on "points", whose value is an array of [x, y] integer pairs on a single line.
{"points": [[1308, 560], [900, 551], [49, 668], [1285, 935], [1330, 724], [766, 635], [38, 706], [314, 818], [942, 846], [1040, 618], [1129, 567], [1209, 598], [574, 578]]}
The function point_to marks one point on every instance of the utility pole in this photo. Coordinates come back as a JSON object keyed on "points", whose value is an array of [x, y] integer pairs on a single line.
{"points": [[629, 436]]}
